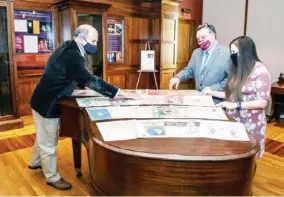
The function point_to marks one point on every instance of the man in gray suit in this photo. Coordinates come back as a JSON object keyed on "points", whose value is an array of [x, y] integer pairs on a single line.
{"points": [[209, 64]]}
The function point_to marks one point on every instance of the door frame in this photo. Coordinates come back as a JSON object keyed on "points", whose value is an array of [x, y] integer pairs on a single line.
{"points": [[12, 51]]}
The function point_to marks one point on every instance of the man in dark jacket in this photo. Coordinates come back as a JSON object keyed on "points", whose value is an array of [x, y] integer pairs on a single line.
{"points": [[65, 70]]}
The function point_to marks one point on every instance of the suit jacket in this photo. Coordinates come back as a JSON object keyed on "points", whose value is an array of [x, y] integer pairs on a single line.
{"points": [[65, 69], [216, 70]]}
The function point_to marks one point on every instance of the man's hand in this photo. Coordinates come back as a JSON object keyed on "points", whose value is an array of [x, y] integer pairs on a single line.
{"points": [[174, 81], [227, 105], [206, 91]]}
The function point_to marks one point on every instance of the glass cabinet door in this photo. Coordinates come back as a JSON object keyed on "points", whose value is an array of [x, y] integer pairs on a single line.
{"points": [[5, 77]]}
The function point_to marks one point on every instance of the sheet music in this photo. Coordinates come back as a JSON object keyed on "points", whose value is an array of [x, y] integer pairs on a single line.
{"points": [[198, 101], [122, 112], [224, 130], [146, 100], [165, 128], [118, 130]]}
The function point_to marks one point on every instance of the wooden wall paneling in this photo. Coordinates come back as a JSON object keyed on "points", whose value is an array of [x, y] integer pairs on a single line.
{"points": [[166, 75], [125, 8], [26, 85], [138, 28], [185, 47], [138, 35], [89, 8], [134, 53], [137, 31], [31, 5], [38, 1], [118, 80], [169, 30], [66, 24], [132, 80]]}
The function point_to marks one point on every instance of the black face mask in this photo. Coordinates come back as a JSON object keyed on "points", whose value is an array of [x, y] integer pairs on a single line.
{"points": [[234, 58], [90, 49]]}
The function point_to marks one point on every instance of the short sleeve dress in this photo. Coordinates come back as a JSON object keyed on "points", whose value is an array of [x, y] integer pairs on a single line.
{"points": [[257, 87]]}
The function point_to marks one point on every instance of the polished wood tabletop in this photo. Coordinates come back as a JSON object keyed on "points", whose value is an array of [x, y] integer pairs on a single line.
{"points": [[277, 88], [160, 166]]}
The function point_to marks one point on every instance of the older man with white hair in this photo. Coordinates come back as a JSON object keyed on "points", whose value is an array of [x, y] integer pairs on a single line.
{"points": [[65, 70]]}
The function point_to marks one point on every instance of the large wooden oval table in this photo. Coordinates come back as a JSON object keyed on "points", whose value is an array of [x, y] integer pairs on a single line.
{"points": [[165, 166]]}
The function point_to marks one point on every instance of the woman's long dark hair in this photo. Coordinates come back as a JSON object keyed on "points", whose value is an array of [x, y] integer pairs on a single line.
{"points": [[247, 57]]}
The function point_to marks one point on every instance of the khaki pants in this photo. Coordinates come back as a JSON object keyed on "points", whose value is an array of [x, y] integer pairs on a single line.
{"points": [[44, 150]]}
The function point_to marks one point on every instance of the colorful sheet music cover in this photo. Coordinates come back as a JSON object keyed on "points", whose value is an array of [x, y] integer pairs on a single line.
{"points": [[99, 113]]}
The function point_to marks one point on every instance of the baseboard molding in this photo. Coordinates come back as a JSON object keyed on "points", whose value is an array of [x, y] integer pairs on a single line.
{"points": [[11, 124]]}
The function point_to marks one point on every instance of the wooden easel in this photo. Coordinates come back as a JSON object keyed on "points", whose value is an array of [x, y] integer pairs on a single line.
{"points": [[147, 47]]}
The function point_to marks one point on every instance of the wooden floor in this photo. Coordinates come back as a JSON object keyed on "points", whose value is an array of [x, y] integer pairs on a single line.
{"points": [[17, 179]]}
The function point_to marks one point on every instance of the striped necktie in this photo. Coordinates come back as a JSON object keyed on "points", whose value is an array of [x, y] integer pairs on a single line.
{"points": [[89, 62], [205, 58]]}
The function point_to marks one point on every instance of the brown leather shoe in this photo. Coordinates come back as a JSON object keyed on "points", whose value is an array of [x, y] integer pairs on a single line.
{"points": [[60, 184], [34, 167]]}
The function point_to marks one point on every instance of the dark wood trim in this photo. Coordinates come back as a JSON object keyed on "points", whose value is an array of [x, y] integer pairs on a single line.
{"points": [[81, 10], [104, 37], [56, 31], [5, 118], [201, 17], [141, 15], [246, 17], [35, 75], [12, 58], [28, 5], [73, 21], [71, 3], [11, 124], [143, 41]]}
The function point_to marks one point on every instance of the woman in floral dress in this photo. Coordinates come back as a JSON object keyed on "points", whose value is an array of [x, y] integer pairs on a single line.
{"points": [[248, 89]]}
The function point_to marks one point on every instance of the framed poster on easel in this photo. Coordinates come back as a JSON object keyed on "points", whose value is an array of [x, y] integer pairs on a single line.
{"points": [[147, 63]]}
